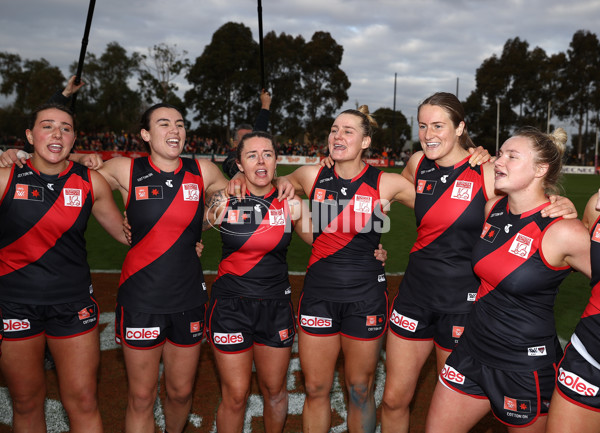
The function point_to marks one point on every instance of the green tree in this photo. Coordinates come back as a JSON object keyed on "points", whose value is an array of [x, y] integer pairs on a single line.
{"points": [[390, 123], [580, 80], [158, 70], [107, 102], [30, 82], [283, 59], [323, 85], [224, 79]]}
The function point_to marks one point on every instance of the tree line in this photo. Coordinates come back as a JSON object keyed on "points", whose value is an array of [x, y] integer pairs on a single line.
{"points": [[310, 87]]}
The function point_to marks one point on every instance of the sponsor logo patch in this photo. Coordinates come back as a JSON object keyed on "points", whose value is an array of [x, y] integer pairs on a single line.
{"points": [[471, 297], [194, 327], [221, 338], [142, 333], [233, 216], [325, 196], [191, 192], [521, 246], [375, 320], [426, 186], [452, 375], [148, 192], [537, 351], [276, 217], [14, 325], [363, 204], [315, 322], [72, 196], [404, 322], [284, 334], [28, 192], [462, 190], [576, 384], [457, 331], [596, 234], [489, 232], [515, 405], [87, 312]]}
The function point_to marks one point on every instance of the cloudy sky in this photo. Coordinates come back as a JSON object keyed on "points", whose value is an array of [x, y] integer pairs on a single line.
{"points": [[428, 43]]}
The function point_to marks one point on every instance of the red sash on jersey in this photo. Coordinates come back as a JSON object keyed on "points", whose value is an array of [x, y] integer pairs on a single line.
{"points": [[162, 236], [45, 233]]}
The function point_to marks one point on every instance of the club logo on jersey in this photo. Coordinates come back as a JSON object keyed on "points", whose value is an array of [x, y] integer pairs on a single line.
{"points": [[325, 196], [381, 278], [191, 192], [457, 331], [169, 183], [142, 333], [404, 322], [426, 186], [576, 383], [29, 192], [276, 217], [471, 297], [537, 351], [233, 216], [194, 327], [375, 320], [87, 312], [284, 334], [73, 197], [221, 338], [515, 405], [521, 246], [452, 375], [315, 322], [363, 204], [148, 192], [489, 232], [596, 235], [462, 190], [14, 325]]}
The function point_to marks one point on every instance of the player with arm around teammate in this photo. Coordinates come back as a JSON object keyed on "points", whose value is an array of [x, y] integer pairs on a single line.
{"points": [[343, 306], [575, 405], [506, 358], [439, 286], [46, 294], [162, 294]]}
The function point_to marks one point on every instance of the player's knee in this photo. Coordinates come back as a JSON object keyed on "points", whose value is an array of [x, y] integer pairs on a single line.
{"points": [[141, 400], [274, 396], [235, 399], [360, 394], [28, 404], [317, 389], [395, 398]]}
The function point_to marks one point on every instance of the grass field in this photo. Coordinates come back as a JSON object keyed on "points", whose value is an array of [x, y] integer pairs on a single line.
{"points": [[106, 254]]}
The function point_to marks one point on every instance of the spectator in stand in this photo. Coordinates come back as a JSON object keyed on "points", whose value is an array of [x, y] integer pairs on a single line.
{"points": [[230, 167]]}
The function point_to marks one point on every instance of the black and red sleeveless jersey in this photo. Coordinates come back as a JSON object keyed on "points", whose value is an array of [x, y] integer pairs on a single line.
{"points": [[256, 233], [511, 324], [43, 259], [449, 211], [347, 222], [162, 273], [588, 328]]}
